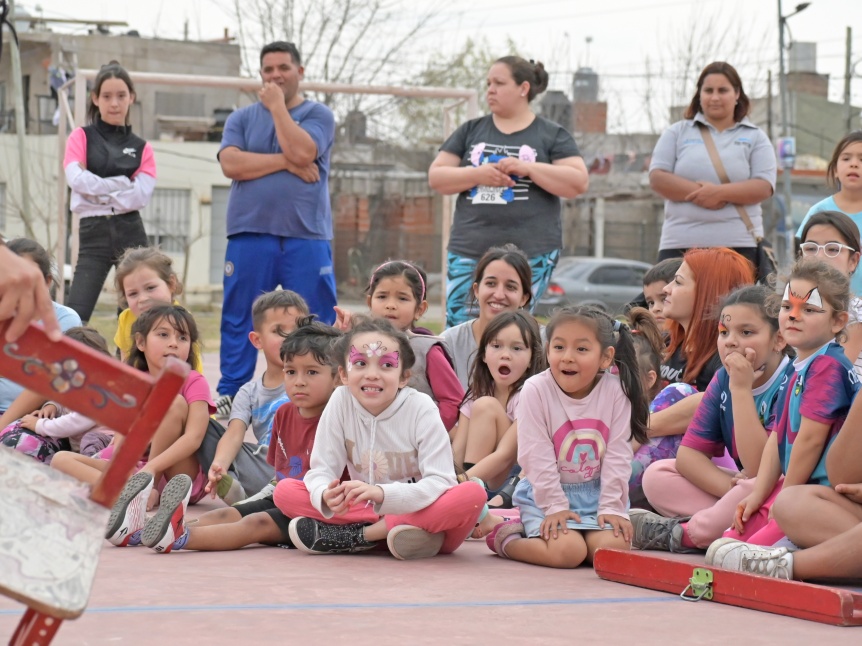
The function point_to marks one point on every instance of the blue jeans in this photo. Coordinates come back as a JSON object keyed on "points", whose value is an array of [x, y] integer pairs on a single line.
{"points": [[256, 263]]}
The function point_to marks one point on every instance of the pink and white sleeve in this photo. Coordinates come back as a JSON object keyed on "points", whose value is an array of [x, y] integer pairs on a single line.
{"points": [[136, 197], [148, 163], [536, 453], [617, 463], [82, 181], [76, 148]]}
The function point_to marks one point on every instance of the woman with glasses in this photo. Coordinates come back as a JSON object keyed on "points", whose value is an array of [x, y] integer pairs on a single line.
{"points": [[831, 236]]}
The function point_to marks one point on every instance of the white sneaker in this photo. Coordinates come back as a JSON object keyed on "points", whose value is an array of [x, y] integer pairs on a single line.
{"points": [[730, 554], [266, 492], [163, 529], [407, 543], [129, 513]]}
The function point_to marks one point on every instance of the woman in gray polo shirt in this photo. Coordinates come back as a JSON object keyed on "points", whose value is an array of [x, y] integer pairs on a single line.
{"points": [[700, 211]]}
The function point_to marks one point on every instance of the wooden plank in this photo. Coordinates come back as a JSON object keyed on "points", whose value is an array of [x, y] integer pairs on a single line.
{"points": [[80, 378], [51, 534], [823, 604]]}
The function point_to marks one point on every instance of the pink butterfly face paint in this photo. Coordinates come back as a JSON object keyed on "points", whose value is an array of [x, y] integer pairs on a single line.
{"points": [[353, 356], [374, 373], [376, 348], [390, 358]]}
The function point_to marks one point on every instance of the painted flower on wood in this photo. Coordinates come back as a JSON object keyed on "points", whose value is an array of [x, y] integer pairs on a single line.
{"points": [[66, 375]]}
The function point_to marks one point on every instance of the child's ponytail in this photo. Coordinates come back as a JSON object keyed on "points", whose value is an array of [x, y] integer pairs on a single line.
{"points": [[626, 360]]}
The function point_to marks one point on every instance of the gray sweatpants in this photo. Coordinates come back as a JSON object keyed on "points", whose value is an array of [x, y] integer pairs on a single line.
{"points": [[249, 467]]}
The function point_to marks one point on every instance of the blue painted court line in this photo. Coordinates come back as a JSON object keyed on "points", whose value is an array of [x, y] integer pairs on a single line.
{"points": [[372, 606]]}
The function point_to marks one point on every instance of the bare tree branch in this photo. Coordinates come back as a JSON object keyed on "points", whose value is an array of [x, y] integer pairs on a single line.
{"points": [[331, 33], [670, 79]]}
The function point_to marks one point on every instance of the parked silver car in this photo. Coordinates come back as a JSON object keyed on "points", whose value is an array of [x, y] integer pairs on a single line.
{"points": [[607, 283]]}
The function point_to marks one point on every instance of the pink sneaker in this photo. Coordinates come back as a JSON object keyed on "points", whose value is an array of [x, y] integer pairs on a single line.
{"points": [[501, 532]]}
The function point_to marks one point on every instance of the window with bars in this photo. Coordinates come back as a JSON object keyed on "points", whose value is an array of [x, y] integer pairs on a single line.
{"points": [[167, 219]]}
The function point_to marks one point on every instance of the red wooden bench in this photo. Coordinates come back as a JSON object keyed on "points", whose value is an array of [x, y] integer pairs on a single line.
{"points": [[695, 581], [52, 526]]}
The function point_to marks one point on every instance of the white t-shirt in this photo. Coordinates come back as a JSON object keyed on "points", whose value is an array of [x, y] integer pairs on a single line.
{"points": [[855, 311]]}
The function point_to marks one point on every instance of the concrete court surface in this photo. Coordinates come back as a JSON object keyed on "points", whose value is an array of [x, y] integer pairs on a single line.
{"points": [[265, 595]]}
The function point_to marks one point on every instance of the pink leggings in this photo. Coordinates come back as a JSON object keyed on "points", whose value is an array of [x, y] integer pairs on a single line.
{"points": [[759, 529], [455, 512], [672, 495]]}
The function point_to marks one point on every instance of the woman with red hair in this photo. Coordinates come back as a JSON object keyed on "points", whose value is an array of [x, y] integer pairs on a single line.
{"points": [[691, 359]]}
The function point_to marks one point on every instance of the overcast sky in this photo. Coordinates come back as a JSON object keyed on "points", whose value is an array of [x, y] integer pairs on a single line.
{"points": [[623, 34]]}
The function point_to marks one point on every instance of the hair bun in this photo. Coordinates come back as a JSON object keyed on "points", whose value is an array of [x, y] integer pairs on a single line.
{"points": [[541, 77]]}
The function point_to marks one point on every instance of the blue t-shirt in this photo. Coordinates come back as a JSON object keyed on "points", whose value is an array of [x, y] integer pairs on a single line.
{"points": [[66, 316], [255, 405], [829, 205], [711, 429], [820, 388], [280, 204]]}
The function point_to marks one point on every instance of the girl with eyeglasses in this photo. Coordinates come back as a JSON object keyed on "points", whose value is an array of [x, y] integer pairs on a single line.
{"points": [[833, 237], [844, 173]]}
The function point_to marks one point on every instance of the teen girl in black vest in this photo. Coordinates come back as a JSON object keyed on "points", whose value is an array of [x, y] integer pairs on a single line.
{"points": [[112, 174]]}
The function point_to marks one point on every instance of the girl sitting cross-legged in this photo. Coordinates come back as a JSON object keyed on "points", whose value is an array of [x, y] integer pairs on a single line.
{"points": [[575, 423], [402, 490]]}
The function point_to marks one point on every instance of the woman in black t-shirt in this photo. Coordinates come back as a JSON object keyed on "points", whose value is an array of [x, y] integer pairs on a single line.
{"points": [[509, 168]]}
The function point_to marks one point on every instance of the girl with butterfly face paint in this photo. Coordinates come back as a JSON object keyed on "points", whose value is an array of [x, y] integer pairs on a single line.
{"points": [[821, 384], [402, 487]]}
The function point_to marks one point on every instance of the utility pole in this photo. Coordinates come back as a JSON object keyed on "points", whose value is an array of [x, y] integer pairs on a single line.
{"points": [[21, 131], [769, 132], [787, 151], [785, 171], [768, 233], [848, 75]]}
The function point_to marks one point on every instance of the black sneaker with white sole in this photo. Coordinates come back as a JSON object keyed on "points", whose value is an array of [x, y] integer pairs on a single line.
{"points": [[316, 537], [223, 404]]}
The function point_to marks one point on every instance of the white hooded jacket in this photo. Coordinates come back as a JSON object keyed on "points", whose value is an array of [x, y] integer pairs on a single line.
{"points": [[405, 450]]}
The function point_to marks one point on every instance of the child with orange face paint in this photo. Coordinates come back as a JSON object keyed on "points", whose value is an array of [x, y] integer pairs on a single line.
{"points": [[817, 394], [695, 498]]}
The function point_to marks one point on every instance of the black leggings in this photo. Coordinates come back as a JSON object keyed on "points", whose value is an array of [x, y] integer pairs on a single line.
{"points": [[102, 239]]}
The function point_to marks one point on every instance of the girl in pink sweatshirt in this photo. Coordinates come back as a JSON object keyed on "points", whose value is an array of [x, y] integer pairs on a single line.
{"points": [[575, 423]]}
